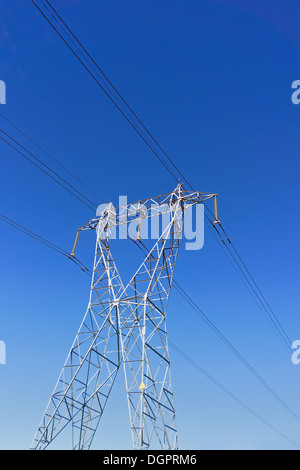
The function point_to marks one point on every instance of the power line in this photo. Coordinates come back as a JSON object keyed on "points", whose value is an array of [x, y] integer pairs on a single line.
{"points": [[108, 95], [228, 392], [228, 344], [269, 314], [42, 240], [263, 304], [276, 320], [114, 89], [128, 112], [51, 156], [85, 201]]}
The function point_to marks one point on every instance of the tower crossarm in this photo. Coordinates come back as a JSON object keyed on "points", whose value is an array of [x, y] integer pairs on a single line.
{"points": [[148, 208]]}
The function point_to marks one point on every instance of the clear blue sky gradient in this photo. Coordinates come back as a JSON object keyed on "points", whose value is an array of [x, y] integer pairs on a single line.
{"points": [[212, 81]]}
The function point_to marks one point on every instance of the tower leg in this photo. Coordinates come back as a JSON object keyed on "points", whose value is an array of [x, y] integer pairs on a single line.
{"points": [[144, 342], [88, 374]]}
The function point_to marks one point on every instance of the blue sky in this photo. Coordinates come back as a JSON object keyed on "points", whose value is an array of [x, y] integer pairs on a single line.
{"points": [[212, 81]]}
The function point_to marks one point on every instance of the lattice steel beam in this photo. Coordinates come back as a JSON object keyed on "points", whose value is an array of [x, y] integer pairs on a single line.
{"points": [[123, 324]]}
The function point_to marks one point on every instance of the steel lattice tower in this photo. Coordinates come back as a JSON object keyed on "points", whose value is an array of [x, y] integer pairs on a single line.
{"points": [[123, 324]]}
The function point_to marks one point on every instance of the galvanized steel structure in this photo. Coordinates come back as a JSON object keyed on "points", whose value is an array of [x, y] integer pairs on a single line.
{"points": [[123, 325]]}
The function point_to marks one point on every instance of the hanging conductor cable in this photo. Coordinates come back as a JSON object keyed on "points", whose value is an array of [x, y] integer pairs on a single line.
{"points": [[47, 170], [42, 240], [52, 158], [108, 94]]}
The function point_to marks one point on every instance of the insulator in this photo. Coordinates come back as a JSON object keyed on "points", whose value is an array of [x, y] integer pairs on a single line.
{"points": [[216, 209]]}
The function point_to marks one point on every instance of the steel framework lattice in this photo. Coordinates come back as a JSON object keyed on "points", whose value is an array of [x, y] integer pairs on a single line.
{"points": [[123, 325]]}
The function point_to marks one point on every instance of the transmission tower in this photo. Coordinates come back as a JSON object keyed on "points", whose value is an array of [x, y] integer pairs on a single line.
{"points": [[123, 325]]}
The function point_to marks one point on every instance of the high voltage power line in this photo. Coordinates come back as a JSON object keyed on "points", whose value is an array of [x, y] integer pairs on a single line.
{"points": [[76, 193], [41, 166], [52, 158], [42, 240], [91, 66]]}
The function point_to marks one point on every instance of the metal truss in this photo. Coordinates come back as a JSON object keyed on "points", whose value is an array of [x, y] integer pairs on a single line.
{"points": [[123, 325]]}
